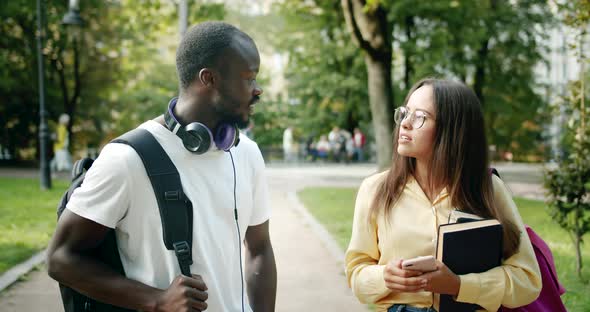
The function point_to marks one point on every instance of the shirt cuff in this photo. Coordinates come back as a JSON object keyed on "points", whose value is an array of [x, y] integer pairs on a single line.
{"points": [[369, 286], [470, 288], [381, 281]]}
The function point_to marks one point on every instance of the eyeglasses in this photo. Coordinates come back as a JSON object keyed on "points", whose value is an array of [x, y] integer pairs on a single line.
{"points": [[416, 117]]}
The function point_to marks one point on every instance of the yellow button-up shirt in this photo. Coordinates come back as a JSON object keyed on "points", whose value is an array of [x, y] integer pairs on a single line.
{"points": [[411, 230]]}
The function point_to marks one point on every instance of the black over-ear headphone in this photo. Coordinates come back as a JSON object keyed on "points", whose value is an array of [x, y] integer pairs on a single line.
{"points": [[197, 138]]}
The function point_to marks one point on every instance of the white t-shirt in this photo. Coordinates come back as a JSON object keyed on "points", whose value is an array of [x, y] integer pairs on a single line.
{"points": [[117, 193]]}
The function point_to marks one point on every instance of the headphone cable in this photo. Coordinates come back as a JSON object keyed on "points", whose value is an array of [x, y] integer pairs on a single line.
{"points": [[238, 228]]}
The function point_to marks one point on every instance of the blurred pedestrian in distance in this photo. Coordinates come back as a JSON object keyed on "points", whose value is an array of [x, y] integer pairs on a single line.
{"points": [[334, 138], [323, 148], [508, 156], [289, 151], [62, 160], [347, 146], [337, 144], [359, 143], [310, 149]]}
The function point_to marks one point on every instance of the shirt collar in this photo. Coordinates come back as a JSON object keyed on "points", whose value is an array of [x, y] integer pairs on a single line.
{"points": [[415, 188]]}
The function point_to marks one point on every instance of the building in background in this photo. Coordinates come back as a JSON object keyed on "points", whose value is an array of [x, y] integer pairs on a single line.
{"points": [[561, 68]]}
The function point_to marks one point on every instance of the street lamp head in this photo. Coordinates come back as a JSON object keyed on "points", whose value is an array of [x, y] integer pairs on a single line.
{"points": [[73, 16]]}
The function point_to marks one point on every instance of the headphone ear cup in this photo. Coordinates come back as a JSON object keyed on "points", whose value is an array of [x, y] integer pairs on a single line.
{"points": [[196, 138], [226, 136]]}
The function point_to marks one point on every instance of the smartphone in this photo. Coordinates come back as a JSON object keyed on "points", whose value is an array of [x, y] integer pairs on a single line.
{"points": [[424, 264]]}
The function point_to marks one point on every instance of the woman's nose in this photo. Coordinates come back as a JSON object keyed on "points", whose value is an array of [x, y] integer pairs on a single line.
{"points": [[407, 121]]}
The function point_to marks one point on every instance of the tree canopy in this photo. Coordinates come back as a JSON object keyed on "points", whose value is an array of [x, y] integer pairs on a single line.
{"points": [[108, 76], [493, 46], [120, 68]]}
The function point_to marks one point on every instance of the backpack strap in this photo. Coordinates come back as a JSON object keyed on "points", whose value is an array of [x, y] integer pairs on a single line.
{"points": [[176, 211], [80, 167], [493, 170]]}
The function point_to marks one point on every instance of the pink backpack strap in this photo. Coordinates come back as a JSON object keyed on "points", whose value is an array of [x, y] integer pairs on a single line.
{"points": [[541, 246], [549, 299]]}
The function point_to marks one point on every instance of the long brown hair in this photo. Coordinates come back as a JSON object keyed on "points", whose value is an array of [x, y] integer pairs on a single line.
{"points": [[460, 146]]}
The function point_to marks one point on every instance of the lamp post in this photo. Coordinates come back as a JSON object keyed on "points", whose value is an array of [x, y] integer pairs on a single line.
{"points": [[182, 22], [43, 129], [182, 17], [73, 21], [72, 18]]}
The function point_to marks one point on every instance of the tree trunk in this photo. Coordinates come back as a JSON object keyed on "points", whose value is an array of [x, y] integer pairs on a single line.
{"points": [[577, 243], [482, 55], [72, 103], [480, 74], [408, 66], [69, 103], [582, 86], [371, 31], [380, 98]]}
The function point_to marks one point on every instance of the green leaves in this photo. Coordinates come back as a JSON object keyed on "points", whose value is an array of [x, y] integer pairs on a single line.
{"points": [[440, 38], [569, 184], [126, 68], [325, 71]]}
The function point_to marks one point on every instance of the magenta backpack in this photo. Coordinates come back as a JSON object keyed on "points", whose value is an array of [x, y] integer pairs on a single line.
{"points": [[549, 299]]}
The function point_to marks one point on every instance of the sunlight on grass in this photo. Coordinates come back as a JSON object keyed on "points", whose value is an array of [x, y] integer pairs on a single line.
{"points": [[334, 208], [27, 218]]}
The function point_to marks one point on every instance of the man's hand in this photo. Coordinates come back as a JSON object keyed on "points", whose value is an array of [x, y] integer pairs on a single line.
{"points": [[442, 281], [400, 280], [184, 294]]}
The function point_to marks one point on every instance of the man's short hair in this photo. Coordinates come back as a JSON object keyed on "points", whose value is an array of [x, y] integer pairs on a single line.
{"points": [[200, 47]]}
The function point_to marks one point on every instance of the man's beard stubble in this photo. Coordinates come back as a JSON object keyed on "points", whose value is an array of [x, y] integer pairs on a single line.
{"points": [[230, 117], [226, 116]]}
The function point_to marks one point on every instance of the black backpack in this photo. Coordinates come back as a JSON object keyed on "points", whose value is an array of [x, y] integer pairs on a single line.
{"points": [[175, 208]]}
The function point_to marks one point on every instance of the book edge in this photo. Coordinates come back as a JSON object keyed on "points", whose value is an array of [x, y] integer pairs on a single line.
{"points": [[455, 227]]}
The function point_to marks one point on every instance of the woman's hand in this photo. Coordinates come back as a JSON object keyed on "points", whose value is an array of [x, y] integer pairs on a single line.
{"points": [[400, 280], [442, 281]]}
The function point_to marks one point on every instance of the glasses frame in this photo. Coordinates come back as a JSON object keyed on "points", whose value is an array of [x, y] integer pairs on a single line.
{"points": [[416, 120]]}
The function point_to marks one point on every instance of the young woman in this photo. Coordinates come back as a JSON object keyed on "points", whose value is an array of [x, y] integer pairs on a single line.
{"points": [[439, 164]]}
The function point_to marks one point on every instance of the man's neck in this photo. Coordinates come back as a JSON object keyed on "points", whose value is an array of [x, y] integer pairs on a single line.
{"points": [[160, 120], [190, 109]]}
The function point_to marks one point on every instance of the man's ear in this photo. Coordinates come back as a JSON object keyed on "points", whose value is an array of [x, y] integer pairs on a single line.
{"points": [[206, 77]]}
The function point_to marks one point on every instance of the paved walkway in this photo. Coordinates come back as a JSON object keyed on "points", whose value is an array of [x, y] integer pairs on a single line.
{"points": [[310, 268]]}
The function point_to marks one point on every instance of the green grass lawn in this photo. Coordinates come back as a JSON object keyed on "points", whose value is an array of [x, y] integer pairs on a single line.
{"points": [[334, 208], [27, 218]]}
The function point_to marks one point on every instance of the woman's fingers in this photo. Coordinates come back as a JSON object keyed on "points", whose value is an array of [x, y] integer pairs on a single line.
{"points": [[395, 268], [400, 280], [403, 284]]}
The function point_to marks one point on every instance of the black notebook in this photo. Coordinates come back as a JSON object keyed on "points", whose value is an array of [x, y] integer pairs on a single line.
{"points": [[468, 247]]}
